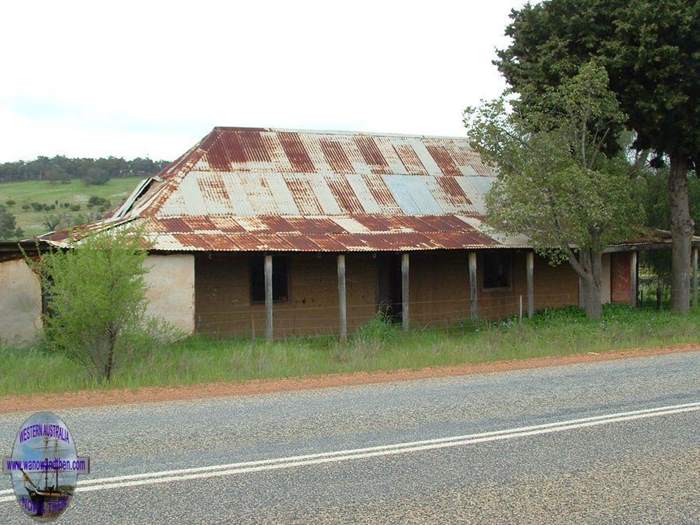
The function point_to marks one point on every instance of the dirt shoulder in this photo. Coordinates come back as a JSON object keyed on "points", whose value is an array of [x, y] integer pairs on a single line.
{"points": [[93, 398]]}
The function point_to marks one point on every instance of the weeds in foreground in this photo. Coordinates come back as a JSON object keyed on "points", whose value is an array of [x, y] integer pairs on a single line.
{"points": [[378, 345]]}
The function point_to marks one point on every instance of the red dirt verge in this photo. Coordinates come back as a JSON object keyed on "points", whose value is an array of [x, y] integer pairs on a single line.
{"points": [[92, 398]]}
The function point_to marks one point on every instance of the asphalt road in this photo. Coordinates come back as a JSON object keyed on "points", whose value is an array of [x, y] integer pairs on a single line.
{"points": [[638, 467]]}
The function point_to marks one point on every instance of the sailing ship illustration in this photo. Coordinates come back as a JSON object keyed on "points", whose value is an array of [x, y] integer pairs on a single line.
{"points": [[48, 498]]}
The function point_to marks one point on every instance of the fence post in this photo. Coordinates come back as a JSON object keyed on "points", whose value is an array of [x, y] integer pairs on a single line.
{"points": [[520, 308]]}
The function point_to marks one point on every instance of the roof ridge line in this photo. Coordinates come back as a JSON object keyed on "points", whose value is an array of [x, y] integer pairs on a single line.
{"points": [[337, 132]]}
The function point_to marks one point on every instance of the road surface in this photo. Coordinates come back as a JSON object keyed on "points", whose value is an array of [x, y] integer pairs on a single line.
{"points": [[610, 442]]}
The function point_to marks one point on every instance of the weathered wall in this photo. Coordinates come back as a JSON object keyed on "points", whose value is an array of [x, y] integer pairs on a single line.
{"points": [[439, 292], [223, 306], [20, 303], [170, 289], [620, 282], [440, 288]]}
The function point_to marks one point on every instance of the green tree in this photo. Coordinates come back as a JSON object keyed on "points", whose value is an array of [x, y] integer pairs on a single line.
{"points": [[555, 183], [651, 50], [96, 176], [96, 298], [8, 225], [55, 173]]}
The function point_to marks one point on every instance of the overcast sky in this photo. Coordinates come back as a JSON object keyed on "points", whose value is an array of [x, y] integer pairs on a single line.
{"points": [[150, 78]]}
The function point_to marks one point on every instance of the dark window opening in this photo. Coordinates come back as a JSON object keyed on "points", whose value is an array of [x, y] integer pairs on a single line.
{"points": [[389, 298], [279, 279], [497, 269]]}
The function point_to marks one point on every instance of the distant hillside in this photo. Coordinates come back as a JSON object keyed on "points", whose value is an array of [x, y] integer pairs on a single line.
{"points": [[92, 171], [42, 206]]}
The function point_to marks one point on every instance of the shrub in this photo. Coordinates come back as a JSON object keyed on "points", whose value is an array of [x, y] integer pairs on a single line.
{"points": [[8, 225], [10, 202], [75, 207], [96, 299], [95, 201]]}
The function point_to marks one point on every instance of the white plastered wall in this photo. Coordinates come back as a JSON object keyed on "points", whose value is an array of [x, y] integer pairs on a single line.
{"points": [[170, 290], [20, 304]]}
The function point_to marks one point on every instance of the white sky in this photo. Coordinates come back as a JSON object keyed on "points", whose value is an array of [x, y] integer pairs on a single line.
{"points": [[150, 78]]}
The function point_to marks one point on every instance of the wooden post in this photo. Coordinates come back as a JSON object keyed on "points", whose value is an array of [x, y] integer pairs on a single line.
{"points": [[695, 276], [269, 333], [342, 299], [405, 323], [530, 270], [473, 299], [633, 279], [520, 308]]}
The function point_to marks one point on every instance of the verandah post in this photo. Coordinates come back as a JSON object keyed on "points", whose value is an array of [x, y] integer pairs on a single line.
{"points": [[530, 270], [473, 299], [405, 322], [269, 333], [342, 299], [695, 276], [633, 279]]}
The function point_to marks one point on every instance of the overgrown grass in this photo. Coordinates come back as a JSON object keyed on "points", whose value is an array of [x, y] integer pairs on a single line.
{"points": [[377, 346]]}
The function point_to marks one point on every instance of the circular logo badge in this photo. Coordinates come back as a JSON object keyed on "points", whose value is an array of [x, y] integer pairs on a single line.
{"points": [[44, 466]]}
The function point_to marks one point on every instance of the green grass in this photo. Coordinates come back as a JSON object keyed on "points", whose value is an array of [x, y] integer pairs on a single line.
{"points": [[73, 192], [375, 347]]}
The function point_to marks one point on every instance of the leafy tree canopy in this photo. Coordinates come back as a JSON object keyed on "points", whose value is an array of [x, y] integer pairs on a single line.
{"points": [[61, 168], [650, 49], [555, 183]]}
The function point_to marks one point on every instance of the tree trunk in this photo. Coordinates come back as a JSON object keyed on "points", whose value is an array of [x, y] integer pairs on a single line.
{"points": [[681, 233], [111, 343], [590, 268]]}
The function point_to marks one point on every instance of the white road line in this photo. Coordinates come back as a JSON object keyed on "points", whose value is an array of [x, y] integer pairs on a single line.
{"points": [[211, 471]]}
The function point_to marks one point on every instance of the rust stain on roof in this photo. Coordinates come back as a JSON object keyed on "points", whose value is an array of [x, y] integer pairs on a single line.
{"points": [[444, 160], [379, 190], [344, 196], [259, 189], [304, 196], [336, 157], [410, 160], [372, 155], [296, 152], [453, 191]]}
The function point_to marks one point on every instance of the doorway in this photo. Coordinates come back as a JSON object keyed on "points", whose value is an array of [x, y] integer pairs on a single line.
{"points": [[389, 299]]}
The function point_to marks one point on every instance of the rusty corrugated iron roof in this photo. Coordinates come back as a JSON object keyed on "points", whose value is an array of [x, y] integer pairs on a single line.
{"points": [[260, 189]]}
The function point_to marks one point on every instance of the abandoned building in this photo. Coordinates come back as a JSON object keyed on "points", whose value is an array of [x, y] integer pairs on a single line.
{"points": [[272, 233]]}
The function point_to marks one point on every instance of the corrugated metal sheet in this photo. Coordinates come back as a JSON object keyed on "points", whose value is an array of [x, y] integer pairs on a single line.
{"points": [[264, 189], [302, 234]]}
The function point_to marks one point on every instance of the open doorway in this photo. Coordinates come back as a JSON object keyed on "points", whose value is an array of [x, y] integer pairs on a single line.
{"points": [[389, 300]]}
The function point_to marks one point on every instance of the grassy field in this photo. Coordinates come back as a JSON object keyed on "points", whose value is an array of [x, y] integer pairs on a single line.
{"points": [[376, 347], [74, 192]]}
